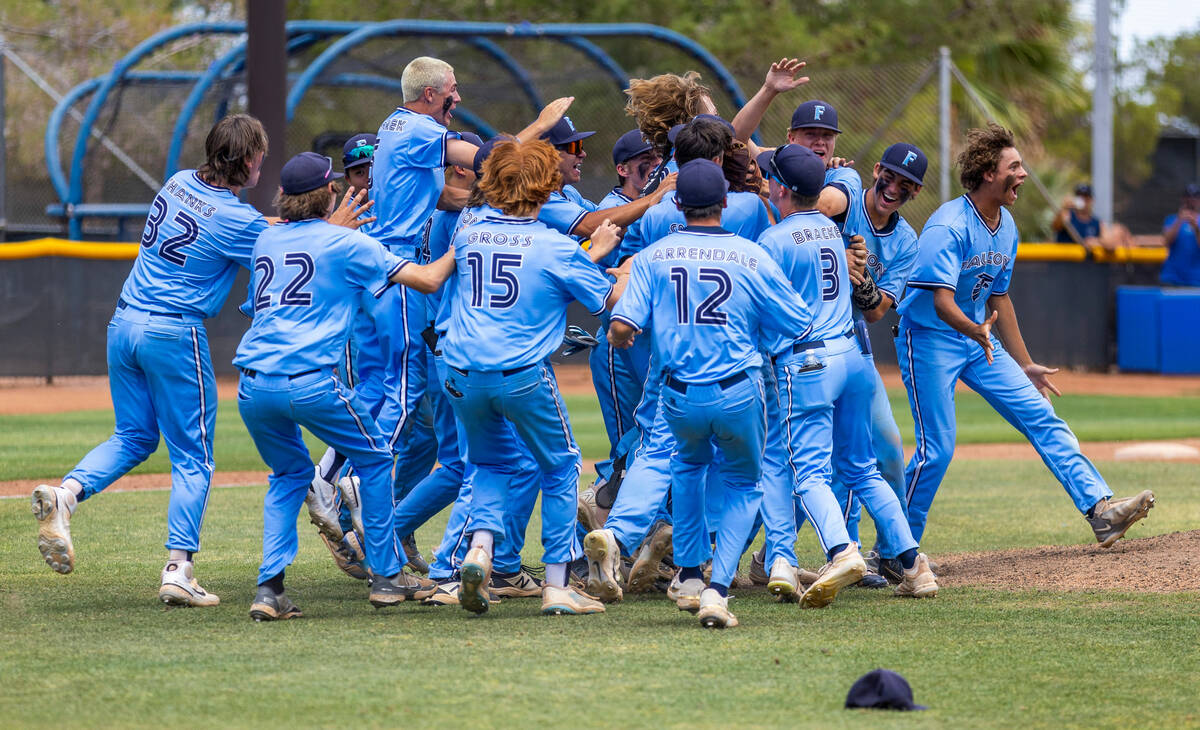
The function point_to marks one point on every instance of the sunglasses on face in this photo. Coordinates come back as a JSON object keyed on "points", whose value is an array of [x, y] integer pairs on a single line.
{"points": [[572, 148], [362, 152]]}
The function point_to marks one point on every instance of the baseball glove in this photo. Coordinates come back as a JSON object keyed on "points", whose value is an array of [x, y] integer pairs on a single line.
{"points": [[576, 340], [866, 295]]}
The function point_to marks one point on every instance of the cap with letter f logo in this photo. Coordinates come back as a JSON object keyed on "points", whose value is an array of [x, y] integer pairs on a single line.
{"points": [[907, 160], [815, 113]]}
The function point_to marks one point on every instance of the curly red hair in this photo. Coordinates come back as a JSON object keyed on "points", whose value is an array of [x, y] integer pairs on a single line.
{"points": [[518, 177]]}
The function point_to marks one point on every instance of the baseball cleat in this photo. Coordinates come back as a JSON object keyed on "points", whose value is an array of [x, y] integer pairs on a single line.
{"points": [[476, 572], [846, 568], [758, 567], [350, 495], [604, 565], [783, 583], [347, 554], [322, 503], [415, 562], [179, 587], [53, 507], [399, 588], [892, 570], [271, 606], [557, 601], [919, 581], [806, 577], [1113, 517], [645, 565], [587, 511], [686, 593], [446, 594], [714, 610], [522, 584], [872, 580]]}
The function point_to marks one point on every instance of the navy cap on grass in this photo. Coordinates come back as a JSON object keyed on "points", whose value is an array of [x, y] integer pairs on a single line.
{"points": [[306, 171], [630, 145], [815, 113], [881, 689], [359, 150], [906, 159], [795, 167], [701, 183]]}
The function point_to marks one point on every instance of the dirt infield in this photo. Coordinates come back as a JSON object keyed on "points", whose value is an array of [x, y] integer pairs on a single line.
{"points": [[33, 395], [1164, 564]]}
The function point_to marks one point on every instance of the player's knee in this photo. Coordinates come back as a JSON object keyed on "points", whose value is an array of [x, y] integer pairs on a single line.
{"points": [[138, 445]]}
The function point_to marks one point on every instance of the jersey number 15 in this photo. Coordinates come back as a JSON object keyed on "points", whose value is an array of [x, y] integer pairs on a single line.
{"points": [[498, 275]]}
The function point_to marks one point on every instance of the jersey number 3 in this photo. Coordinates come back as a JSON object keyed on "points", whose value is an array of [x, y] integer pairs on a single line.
{"points": [[706, 311], [170, 248]]}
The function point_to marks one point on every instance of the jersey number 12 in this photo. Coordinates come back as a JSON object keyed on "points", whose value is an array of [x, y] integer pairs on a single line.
{"points": [[706, 311]]}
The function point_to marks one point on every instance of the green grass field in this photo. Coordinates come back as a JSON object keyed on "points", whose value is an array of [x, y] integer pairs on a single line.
{"points": [[94, 649]]}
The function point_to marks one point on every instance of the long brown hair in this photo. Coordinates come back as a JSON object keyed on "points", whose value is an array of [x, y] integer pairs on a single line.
{"points": [[230, 145]]}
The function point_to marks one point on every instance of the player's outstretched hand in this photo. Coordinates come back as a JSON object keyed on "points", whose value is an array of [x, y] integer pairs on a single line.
{"points": [[856, 259], [782, 77], [349, 213], [604, 239], [983, 335], [666, 185], [554, 111], [840, 162], [1037, 375]]}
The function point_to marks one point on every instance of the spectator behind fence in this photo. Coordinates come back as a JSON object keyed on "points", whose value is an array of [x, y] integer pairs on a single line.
{"points": [[1180, 236], [1076, 223]]}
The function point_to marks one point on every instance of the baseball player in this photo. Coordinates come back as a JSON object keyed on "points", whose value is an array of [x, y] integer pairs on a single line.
{"points": [[159, 367], [825, 387], [706, 295], [308, 276], [957, 293], [515, 277], [639, 504]]}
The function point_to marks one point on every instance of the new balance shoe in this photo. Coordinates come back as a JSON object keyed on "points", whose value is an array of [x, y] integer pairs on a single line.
{"points": [[604, 565], [557, 601], [686, 593], [522, 584], [846, 568], [644, 570], [446, 594], [476, 573], [783, 583], [758, 567], [53, 507], [350, 495], [1111, 518], [919, 581], [347, 554], [399, 588], [179, 587], [323, 502], [416, 563], [714, 611], [271, 606]]}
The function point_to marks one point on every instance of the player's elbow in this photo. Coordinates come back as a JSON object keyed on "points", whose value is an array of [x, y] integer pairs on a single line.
{"points": [[874, 315]]}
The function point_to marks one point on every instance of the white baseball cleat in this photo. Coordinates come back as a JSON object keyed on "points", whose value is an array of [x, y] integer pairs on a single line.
{"points": [[179, 587], [714, 611], [322, 503], [846, 568], [783, 583], [644, 570], [557, 601], [919, 581], [53, 507], [350, 495], [686, 593], [604, 565], [475, 574]]}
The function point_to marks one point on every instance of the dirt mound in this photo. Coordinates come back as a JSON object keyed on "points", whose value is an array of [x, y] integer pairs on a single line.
{"points": [[1164, 564]]}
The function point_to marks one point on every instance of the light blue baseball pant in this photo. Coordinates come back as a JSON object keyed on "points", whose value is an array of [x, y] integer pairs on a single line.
{"points": [[931, 363], [273, 408], [618, 384], [529, 399], [730, 418], [889, 455], [161, 379]]}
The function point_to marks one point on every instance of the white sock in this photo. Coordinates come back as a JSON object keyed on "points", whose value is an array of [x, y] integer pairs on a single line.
{"points": [[177, 556], [482, 539], [75, 488], [556, 575]]}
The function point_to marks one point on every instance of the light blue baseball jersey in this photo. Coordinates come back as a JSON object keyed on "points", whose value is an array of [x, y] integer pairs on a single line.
{"points": [[514, 279], [808, 248], [614, 198], [439, 231], [891, 250], [958, 251], [195, 238], [308, 277], [565, 209], [710, 297], [744, 215], [407, 175]]}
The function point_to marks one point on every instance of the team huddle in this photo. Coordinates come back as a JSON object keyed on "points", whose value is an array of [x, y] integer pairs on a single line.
{"points": [[410, 329]]}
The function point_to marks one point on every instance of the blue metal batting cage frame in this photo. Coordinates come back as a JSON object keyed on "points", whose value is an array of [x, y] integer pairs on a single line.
{"points": [[301, 35]]}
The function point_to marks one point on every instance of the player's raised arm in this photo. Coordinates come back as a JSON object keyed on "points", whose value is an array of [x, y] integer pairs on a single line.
{"points": [[550, 114], [781, 77], [623, 215]]}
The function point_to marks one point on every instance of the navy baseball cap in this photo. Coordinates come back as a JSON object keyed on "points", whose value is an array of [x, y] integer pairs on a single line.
{"points": [[485, 149], [815, 113], [701, 183], [882, 689], [795, 167], [359, 150], [1192, 190], [1084, 189], [306, 171], [563, 132], [908, 160], [630, 145], [673, 132]]}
